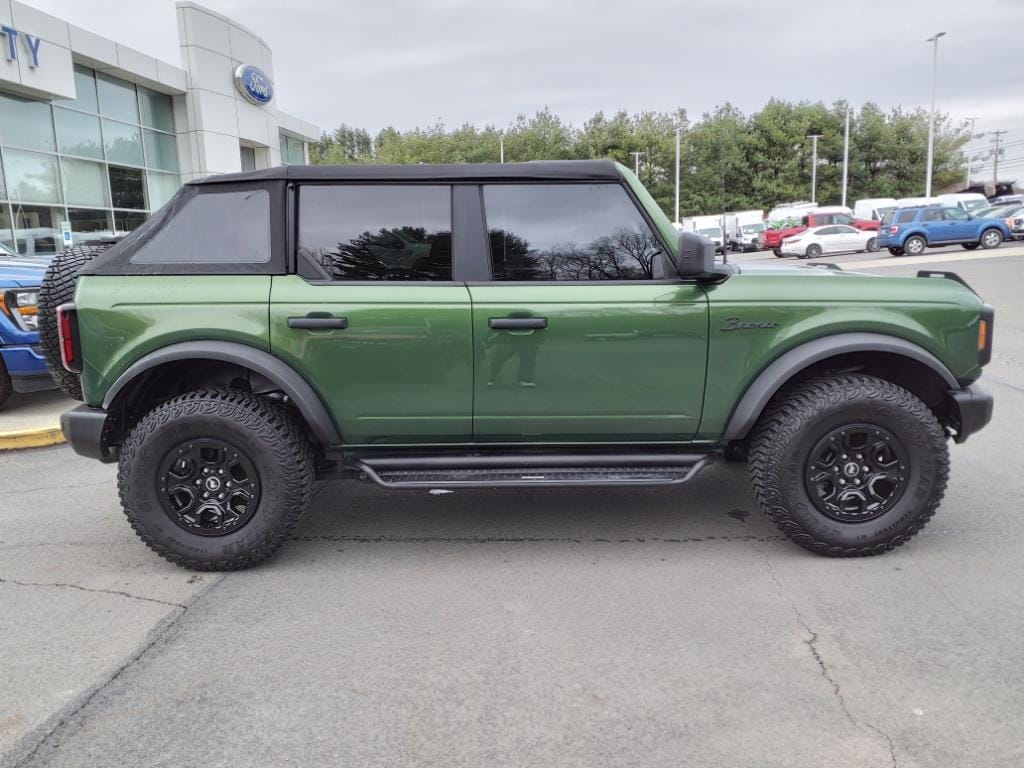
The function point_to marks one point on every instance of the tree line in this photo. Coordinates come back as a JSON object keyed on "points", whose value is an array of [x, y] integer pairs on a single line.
{"points": [[730, 160]]}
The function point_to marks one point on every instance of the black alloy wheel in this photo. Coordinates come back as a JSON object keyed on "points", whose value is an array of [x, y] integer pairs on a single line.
{"points": [[208, 487], [856, 473]]}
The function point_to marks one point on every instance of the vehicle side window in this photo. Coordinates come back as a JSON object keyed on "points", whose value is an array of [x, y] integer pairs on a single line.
{"points": [[931, 214], [196, 233], [568, 232], [887, 218], [905, 217], [828, 231], [841, 218], [375, 232], [844, 230], [954, 214]]}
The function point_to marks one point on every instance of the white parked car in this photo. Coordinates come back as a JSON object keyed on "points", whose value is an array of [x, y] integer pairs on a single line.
{"points": [[830, 239]]}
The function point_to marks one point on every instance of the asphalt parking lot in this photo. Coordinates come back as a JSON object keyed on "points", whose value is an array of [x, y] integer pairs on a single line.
{"points": [[574, 627]]}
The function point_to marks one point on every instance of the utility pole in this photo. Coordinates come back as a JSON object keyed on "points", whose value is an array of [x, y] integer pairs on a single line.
{"points": [[636, 162], [814, 165], [931, 116], [997, 138], [846, 154], [970, 135], [501, 149], [679, 130]]}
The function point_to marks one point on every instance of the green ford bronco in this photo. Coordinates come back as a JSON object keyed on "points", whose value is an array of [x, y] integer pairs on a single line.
{"points": [[533, 324]]}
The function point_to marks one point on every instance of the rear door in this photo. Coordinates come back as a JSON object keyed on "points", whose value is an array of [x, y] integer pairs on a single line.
{"points": [[583, 332], [936, 229], [373, 319]]}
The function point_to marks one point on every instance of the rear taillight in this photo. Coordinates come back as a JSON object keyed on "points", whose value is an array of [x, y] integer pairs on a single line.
{"points": [[67, 332], [893, 229]]}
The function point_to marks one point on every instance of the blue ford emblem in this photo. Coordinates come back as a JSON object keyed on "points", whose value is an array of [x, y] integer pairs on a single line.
{"points": [[254, 84]]}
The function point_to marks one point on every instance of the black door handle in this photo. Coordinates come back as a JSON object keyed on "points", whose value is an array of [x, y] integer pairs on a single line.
{"points": [[318, 323], [517, 323]]}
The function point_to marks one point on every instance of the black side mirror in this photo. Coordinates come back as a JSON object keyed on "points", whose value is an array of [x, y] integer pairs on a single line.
{"points": [[695, 255]]}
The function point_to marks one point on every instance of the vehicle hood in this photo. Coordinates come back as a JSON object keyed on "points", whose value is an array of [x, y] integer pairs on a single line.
{"points": [[22, 273]]}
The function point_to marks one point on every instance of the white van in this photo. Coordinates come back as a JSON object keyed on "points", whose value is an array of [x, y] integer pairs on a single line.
{"points": [[873, 208], [744, 230], [965, 201], [708, 226], [916, 202], [790, 211]]}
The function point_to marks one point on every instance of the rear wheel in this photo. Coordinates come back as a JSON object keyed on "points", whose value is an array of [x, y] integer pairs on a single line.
{"points": [[991, 238], [59, 288], [848, 465], [216, 480], [813, 251], [872, 246], [915, 245]]}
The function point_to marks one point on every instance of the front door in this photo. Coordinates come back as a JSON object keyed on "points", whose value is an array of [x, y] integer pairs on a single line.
{"points": [[584, 333], [960, 224], [373, 320]]}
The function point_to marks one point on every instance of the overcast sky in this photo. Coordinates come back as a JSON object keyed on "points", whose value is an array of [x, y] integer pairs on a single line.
{"points": [[406, 63]]}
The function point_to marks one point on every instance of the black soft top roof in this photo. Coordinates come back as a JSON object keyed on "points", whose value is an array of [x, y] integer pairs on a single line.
{"points": [[541, 170]]}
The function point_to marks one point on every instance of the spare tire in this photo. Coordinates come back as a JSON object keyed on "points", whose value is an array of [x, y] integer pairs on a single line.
{"points": [[59, 288]]}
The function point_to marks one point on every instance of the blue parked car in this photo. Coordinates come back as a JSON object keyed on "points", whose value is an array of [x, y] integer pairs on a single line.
{"points": [[910, 230], [22, 368]]}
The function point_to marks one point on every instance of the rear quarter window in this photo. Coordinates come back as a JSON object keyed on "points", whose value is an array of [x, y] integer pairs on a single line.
{"points": [[905, 217], [213, 228]]}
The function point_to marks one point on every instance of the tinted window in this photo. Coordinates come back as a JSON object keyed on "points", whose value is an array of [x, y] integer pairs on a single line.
{"points": [[375, 232], [828, 231], [568, 232], [931, 214], [215, 227], [887, 216], [904, 217], [954, 214], [847, 230]]}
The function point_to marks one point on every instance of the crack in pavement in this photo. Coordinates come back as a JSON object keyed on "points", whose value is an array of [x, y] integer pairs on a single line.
{"points": [[30, 745], [63, 585], [387, 539], [812, 646]]}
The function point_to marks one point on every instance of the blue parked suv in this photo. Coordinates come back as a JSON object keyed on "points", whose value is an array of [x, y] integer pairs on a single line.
{"points": [[22, 368], [910, 230]]}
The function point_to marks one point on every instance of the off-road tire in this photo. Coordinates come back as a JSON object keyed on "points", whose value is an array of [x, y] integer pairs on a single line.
{"points": [[813, 251], [59, 288], [896, 251], [6, 385], [269, 436], [991, 238], [801, 415], [915, 245]]}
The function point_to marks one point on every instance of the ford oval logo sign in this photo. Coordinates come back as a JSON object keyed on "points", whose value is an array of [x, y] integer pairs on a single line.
{"points": [[254, 84]]}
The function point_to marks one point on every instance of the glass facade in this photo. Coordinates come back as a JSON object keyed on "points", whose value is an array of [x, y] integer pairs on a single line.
{"points": [[97, 164], [292, 150]]}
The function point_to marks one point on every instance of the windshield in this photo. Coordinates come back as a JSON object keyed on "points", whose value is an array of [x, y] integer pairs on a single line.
{"points": [[711, 232], [752, 229]]}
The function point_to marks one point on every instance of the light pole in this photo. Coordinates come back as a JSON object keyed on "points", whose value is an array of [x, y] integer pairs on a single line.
{"points": [[679, 129], [501, 149], [814, 165], [970, 137], [636, 162], [846, 154], [934, 40]]}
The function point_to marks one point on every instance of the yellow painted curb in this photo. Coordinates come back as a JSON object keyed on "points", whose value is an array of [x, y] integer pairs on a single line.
{"points": [[30, 438]]}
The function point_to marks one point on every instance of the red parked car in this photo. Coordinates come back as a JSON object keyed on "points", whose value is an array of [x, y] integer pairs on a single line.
{"points": [[773, 237]]}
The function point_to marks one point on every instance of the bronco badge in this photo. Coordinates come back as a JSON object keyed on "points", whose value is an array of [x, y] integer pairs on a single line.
{"points": [[735, 324]]}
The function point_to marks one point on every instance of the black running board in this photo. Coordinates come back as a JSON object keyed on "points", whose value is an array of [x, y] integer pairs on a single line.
{"points": [[531, 470]]}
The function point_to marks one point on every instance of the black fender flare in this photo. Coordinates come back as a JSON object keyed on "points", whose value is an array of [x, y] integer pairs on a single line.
{"points": [[784, 367], [290, 381]]}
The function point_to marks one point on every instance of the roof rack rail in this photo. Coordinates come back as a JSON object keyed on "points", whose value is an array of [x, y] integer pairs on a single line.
{"points": [[946, 276]]}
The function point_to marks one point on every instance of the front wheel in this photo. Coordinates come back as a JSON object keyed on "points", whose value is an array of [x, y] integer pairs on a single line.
{"points": [[848, 465], [991, 238], [6, 385], [216, 480], [777, 252], [915, 245]]}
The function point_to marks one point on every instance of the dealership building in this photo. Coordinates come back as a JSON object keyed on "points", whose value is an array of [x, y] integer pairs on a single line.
{"points": [[95, 136]]}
